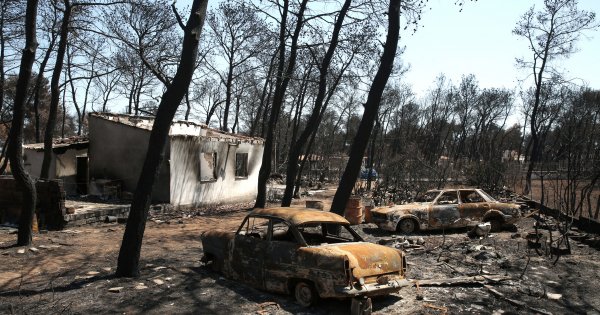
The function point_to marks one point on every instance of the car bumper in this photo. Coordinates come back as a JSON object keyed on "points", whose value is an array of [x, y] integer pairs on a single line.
{"points": [[372, 289]]}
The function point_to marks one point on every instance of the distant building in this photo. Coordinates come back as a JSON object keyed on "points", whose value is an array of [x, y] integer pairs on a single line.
{"points": [[202, 166]]}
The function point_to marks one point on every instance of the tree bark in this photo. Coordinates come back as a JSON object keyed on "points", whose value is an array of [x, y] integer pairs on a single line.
{"points": [[129, 254], [15, 147], [371, 108], [54, 91]]}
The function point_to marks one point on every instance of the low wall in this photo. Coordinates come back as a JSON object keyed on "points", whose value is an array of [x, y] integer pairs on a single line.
{"points": [[50, 206]]}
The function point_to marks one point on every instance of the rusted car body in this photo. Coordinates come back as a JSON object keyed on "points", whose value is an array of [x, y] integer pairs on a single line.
{"points": [[293, 250], [448, 208]]}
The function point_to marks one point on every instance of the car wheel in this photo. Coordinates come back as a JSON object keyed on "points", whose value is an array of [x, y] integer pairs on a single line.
{"points": [[305, 294], [406, 226], [361, 306]]}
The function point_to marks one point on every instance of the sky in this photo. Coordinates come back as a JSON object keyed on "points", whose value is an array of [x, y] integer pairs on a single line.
{"points": [[479, 41]]}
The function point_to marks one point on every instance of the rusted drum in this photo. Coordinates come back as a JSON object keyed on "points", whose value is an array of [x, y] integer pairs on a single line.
{"points": [[368, 217], [353, 212], [315, 204]]}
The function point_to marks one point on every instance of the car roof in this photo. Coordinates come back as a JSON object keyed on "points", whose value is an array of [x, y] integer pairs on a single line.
{"points": [[298, 216]]}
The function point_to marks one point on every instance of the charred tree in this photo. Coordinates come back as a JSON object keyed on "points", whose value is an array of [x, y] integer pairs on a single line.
{"points": [[129, 254], [370, 113], [15, 147], [55, 91], [315, 117], [281, 84], [551, 33]]}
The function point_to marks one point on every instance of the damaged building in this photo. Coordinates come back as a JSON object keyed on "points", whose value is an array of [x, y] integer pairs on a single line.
{"points": [[68, 162], [202, 166]]}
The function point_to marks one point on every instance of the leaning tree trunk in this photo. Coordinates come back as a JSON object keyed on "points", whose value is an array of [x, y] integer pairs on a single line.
{"points": [[282, 82], [15, 147], [129, 254], [371, 108], [55, 91]]}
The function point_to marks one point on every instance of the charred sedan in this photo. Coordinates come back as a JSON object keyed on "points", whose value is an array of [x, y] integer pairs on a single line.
{"points": [[299, 251], [448, 208]]}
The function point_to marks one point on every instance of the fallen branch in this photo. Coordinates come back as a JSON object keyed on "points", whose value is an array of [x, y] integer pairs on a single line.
{"points": [[475, 280], [515, 302]]}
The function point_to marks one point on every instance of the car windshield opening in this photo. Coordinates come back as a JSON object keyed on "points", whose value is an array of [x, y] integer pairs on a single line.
{"points": [[325, 233]]}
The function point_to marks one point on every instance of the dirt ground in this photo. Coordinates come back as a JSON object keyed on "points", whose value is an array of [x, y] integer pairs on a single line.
{"points": [[71, 272]]}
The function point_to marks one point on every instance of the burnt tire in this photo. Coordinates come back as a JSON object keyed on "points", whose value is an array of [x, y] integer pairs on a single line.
{"points": [[305, 294], [406, 226]]}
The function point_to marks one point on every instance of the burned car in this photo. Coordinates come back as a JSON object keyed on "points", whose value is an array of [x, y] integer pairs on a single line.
{"points": [[448, 208], [309, 253]]}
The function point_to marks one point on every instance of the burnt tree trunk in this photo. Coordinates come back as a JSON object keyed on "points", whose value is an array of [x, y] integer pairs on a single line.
{"points": [[315, 117], [54, 91], [15, 146], [280, 87], [129, 254], [370, 114]]}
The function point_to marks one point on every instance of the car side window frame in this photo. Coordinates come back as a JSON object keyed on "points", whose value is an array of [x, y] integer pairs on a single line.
{"points": [[437, 200], [290, 230], [246, 224]]}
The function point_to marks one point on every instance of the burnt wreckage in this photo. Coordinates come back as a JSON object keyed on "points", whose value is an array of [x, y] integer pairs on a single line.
{"points": [[448, 208], [294, 251]]}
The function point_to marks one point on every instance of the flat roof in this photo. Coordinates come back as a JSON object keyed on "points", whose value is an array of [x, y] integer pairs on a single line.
{"points": [[298, 216], [77, 142], [179, 128]]}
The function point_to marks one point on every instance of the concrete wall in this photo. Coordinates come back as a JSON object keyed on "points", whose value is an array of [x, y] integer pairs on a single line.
{"points": [[33, 163], [63, 165], [50, 202], [117, 151], [188, 189]]}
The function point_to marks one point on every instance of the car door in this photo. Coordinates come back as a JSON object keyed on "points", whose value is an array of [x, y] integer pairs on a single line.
{"points": [[280, 262], [472, 207], [248, 253], [444, 211]]}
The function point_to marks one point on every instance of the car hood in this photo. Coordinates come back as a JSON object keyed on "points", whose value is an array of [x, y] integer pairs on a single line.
{"points": [[366, 259], [404, 207]]}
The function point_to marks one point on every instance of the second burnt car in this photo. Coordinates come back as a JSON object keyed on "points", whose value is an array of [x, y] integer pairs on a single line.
{"points": [[447, 208], [298, 251]]}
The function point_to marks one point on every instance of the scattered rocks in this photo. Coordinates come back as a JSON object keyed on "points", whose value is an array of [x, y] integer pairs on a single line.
{"points": [[553, 296], [115, 289], [485, 255], [140, 286], [20, 251], [33, 249], [158, 281]]}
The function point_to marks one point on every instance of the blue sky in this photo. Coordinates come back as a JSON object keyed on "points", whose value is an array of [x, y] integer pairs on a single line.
{"points": [[479, 40]]}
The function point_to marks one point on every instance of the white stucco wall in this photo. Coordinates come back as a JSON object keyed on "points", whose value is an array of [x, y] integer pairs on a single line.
{"points": [[33, 163], [63, 165], [186, 187]]}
